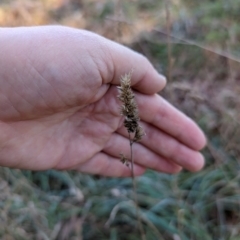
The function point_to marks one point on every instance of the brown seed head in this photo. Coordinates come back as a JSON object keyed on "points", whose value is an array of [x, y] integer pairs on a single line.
{"points": [[138, 134], [129, 108]]}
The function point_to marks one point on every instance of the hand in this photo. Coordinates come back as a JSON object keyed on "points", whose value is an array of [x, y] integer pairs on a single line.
{"points": [[59, 106]]}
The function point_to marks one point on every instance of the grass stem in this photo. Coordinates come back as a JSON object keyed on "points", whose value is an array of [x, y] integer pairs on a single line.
{"points": [[139, 223]]}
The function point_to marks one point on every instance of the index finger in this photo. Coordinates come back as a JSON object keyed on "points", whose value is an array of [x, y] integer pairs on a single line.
{"points": [[144, 77]]}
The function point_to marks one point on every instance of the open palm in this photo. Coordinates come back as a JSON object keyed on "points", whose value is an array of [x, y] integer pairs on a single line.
{"points": [[59, 106]]}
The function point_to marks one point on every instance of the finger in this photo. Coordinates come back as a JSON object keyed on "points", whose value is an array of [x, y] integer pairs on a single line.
{"points": [[106, 165], [142, 155], [157, 111], [145, 78], [169, 148]]}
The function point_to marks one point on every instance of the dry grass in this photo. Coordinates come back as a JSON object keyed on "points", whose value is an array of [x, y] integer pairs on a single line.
{"points": [[205, 85]]}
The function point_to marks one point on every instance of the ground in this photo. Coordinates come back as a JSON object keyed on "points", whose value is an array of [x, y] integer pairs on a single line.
{"points": [[196, 46]]}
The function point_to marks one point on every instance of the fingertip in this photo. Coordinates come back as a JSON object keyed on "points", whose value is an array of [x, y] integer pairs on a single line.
{"points": [[162, 81], [198, 163], [196, 137], [151, 82], [200, 140]]}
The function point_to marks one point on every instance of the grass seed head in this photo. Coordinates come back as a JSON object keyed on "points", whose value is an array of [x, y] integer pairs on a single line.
{"points": [[129, 107]]}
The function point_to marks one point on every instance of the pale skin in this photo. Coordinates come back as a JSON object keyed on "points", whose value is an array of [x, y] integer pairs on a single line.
{"points": [[59, 106]]}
